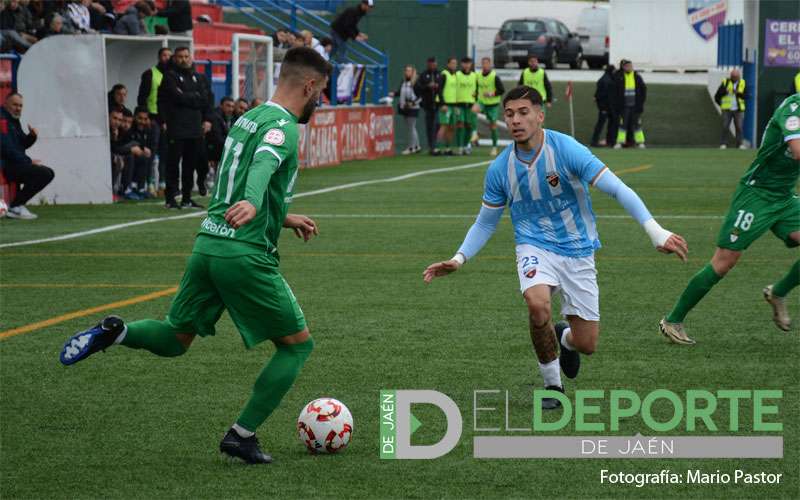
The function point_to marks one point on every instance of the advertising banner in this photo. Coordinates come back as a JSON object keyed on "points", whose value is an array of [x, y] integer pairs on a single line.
{"points": [[782, 43]]}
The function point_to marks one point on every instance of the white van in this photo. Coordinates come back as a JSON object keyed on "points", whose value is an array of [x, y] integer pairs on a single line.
{"points": [[593, 31]]}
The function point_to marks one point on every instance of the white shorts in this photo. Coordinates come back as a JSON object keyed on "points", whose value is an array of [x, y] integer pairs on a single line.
{"points": [[574, 277]]}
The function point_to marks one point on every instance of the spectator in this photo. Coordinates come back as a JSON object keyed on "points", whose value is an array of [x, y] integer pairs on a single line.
{"points": [[630, 95], [730, 97], [121, 149], [221, 121], [408, 107], [17, 25], [241, 108], [428, 87], [256, 102], [127, 121], [345, 27], [132, 22], [281, 39], [603, 93], [102, 15], [535, 77], [54, 27], [325, 47], [185, 102], [138, 166], [179, 17], [30, 175], [297, 40], [309, 40], [117, 96], [79, 15]]}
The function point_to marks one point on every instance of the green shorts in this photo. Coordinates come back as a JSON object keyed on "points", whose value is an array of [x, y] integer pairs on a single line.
{"points": [[447, 118], [458, 113], [470, 118], [492, 112], [750, 216], [258, 299]]}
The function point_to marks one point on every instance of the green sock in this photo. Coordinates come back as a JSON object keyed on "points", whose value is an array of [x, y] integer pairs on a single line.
{"points": [[788, 282], [157, 337], [494, 137], [698, 287], [459, 136], [274, 382]]}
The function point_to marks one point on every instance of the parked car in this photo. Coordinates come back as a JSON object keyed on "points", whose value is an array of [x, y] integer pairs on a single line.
{"points": [[593, 32], [546, 38]]}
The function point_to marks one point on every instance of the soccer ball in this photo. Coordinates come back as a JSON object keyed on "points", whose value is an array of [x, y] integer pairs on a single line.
{"points": [[325, 426]]}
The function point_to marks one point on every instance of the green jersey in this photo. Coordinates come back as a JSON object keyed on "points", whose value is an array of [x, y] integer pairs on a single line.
{"points": [[775, 171], [259, 164]]}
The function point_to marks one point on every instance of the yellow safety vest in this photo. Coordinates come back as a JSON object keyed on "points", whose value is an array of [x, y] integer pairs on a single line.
{"points": [[727, 99], [467, 85], [152, 99], [450, 89], [535, 80], [486, 86], [797, 82]]}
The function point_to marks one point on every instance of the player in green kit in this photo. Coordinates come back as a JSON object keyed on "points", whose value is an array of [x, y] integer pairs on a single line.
{"points": [[467, 93], [449, 107], [490, 93], [765, 200], [234, 263]]}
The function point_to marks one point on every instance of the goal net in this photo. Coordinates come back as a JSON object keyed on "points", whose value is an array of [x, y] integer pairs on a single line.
{"points": [[252, 70]]}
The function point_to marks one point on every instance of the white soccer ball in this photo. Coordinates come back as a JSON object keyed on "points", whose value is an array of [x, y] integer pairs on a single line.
{"points": [[325, 425]]}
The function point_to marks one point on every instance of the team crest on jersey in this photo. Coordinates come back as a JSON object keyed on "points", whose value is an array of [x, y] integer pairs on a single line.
{"points": [[793, 123], [552, 179], [275, 136]]}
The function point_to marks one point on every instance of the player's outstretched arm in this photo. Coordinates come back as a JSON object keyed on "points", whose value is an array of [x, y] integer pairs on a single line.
{"points": [[664, 241], [477, 236], [304, 227]]}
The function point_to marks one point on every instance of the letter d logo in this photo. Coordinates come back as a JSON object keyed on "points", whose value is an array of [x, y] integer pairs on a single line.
{"points": [[397, 424]]}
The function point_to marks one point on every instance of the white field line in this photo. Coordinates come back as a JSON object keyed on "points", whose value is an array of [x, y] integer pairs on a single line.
{"points": [[124, 225], [472, 216]]}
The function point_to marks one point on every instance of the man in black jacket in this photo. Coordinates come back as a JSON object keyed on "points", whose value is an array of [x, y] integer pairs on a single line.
{"points": [[185, 103], [179, 17], [30, 175], [345, 27], [221, 121], [630, 93], [428, 88], [603, 94]]}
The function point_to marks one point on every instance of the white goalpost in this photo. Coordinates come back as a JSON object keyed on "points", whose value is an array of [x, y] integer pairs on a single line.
{"points": [[252, 67]]}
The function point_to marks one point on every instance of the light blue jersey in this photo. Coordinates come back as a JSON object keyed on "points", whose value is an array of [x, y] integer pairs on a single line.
{"points": [[548, 198]]}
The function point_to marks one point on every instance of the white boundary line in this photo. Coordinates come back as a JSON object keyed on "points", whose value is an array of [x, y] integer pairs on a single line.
{"points": [[124, 225], [464, 216]]}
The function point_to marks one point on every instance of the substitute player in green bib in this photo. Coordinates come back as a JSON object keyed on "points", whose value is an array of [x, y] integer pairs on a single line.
{"points": [[234, 263], [447, 111], [765, 200], [466, 119], [490, 93]]}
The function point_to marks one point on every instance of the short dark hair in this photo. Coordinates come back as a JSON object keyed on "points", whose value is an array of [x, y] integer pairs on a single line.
{"points": [[225, 99], [127, 112], [118, 86], [162, 50], [466, 59], [115, 109], [451, 58], [180, 49], [301, 59], [523, 92], [431, 59], [326, 41], [242, 99], [141, 109]]}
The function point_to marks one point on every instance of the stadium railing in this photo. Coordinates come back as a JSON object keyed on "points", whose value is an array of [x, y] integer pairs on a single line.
{"points": [[274, 14], [730, 41]]}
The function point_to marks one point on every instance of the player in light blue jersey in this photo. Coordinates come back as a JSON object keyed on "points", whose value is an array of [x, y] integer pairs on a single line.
{"points": [[544, 179]]}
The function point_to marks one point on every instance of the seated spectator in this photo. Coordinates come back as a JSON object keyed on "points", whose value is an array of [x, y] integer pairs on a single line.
{"points": [[179, 17], [297, 40], [309, 40], [79, 15], [325, 47], [132, 22], [221, 121], [17, 25], [127, 121], [54, 27], [241, 108], [117, 96], [142, 137], [30, 175], [102, 15], [281, 39], [122, 147]]}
